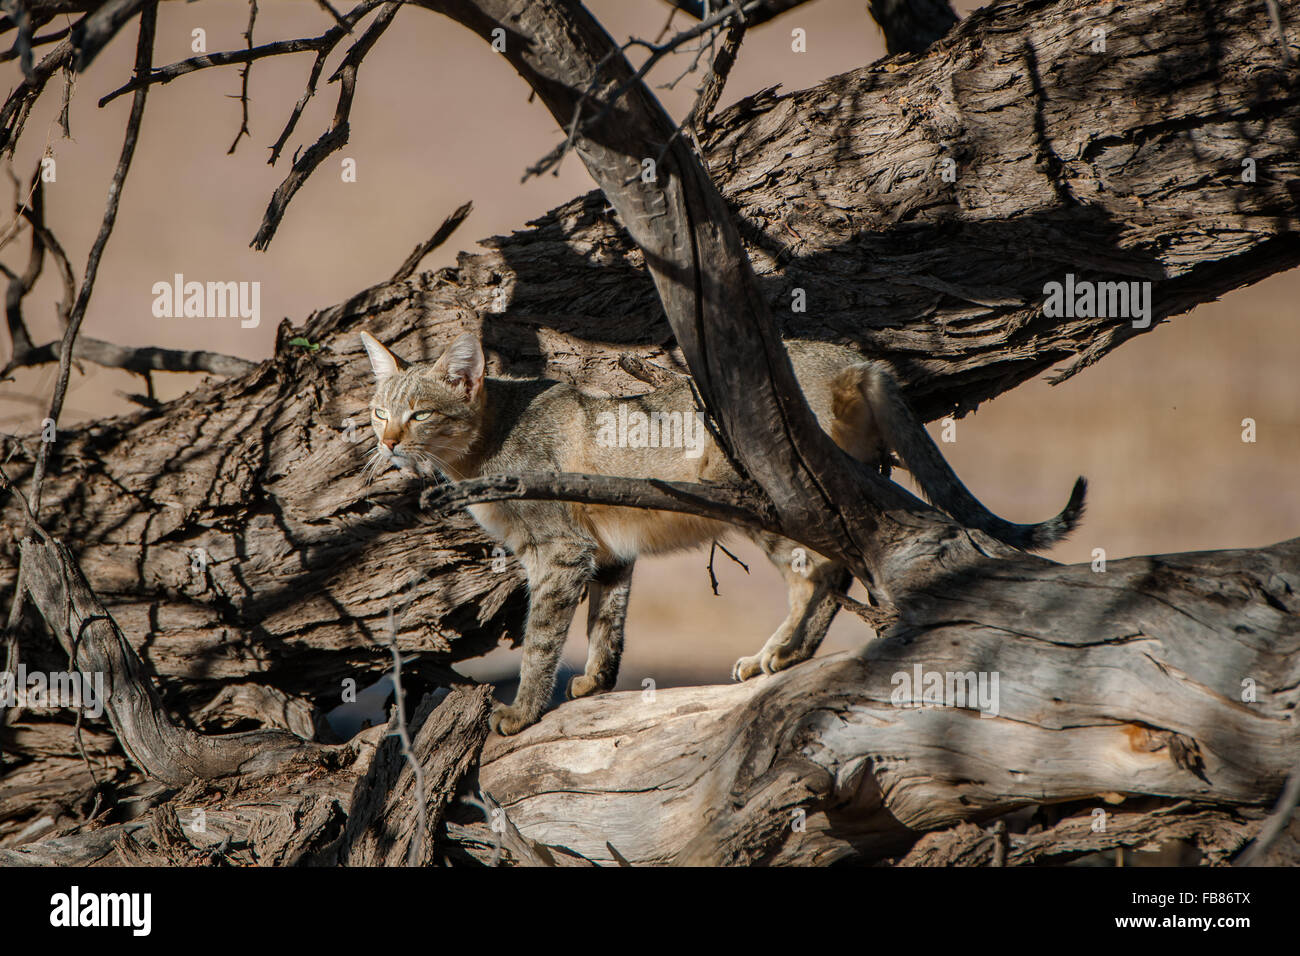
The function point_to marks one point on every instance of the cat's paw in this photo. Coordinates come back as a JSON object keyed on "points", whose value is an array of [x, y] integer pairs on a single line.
{"points": [[767, 661], [580, 685], [508, 721], [747, 667]]}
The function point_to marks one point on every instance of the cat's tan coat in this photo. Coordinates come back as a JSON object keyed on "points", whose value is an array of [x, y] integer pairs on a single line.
{"points": [[449, 417]]}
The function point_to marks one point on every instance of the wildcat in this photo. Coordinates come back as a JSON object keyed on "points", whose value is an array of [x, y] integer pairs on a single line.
{"points": [[448, 417]]}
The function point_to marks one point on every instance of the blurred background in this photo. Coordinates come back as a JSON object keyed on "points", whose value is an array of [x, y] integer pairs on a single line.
{"points": [[438, 119]]}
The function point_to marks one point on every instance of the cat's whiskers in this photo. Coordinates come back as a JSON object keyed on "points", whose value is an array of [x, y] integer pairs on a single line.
{"points": [[425, 454], [373, 466]]}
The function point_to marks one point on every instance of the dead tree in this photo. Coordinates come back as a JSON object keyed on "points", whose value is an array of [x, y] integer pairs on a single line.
{"points": [[239, 577]]}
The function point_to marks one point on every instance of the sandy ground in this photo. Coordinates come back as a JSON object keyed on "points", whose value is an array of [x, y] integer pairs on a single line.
{"points": [[439, 119]]}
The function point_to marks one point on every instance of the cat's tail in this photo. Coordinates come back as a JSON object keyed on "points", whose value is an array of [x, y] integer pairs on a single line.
{"points": [[904, 433]]}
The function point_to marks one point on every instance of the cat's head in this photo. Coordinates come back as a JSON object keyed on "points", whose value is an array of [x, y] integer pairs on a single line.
{"points": [[427, 416]]}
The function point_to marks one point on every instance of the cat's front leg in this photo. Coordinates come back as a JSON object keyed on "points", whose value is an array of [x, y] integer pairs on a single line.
{"points": [[557, 573]]}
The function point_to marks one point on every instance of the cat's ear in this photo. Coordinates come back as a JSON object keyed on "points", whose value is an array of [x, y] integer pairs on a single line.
{"points": [[384, 362], [461, 366]]}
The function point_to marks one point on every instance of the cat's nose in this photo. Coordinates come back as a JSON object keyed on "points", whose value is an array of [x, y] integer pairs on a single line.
{"points": [[390, 443]]}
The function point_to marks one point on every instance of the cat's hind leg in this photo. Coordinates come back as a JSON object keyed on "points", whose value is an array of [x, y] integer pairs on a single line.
{"points": [[607, 596], [558, 570], [811, 579]]}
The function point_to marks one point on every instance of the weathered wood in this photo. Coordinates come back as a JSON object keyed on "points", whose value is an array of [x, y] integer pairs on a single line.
{"points": [[97, 648], [448, 737], [269, 488], [944, 279], [354, 805], [1215, 834], [1101, 677]]}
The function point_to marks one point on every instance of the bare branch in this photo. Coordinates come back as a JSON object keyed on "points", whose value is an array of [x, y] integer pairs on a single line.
{"points": [[331, 39], [713, 549], [332, 139], [416, 849], [738, 506], [61, 261], [92, 33], [243, 79], [329, 8], [440, 236], [143, 58], [140, 359], [14, 113], [95, 644], [15, 51], [658, 51], [718, 73], [19, 286], [878, 618], [321, 45]]}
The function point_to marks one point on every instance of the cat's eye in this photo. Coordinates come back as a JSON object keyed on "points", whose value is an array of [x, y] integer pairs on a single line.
{"points": [[381, 414], [421, 416]]}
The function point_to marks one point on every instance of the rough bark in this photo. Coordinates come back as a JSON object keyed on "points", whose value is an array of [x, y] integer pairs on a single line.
{"points": [[265, 482], [1068, 161], [1105, 693]]}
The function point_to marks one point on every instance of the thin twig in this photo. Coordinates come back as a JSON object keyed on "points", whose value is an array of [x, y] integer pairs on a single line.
{"points": [[713, 578], [243, 79], [138, 359], [143, 58], [416, 850], [165, 74], [657, 52], [330, 39], [19, 286], [328, 8], [333, 138], [14, 52], [18, 106], [440, 236], [718, 73], [65, 110], [55, 249]]}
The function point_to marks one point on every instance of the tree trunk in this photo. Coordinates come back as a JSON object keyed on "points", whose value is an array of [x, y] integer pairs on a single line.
{"points": [[1098, 701], [231, 538]]}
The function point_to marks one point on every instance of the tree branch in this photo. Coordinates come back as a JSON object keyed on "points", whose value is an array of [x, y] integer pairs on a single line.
{"points": [[332, 139], [321, 45], [143, 58], [243, 80], [440, 235]]}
